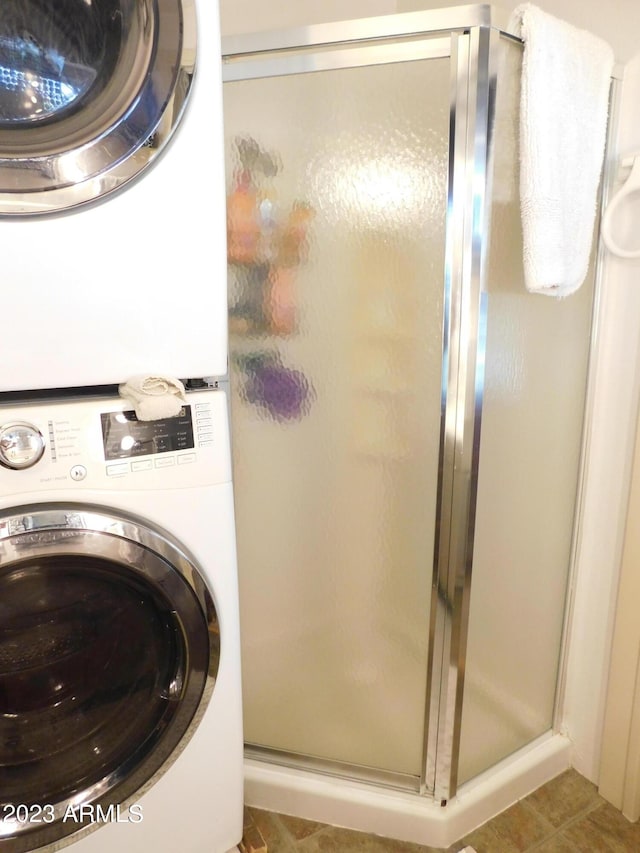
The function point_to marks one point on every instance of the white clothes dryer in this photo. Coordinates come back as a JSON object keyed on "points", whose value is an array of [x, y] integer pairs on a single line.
{"points": [[120, 698], [112, 199]]}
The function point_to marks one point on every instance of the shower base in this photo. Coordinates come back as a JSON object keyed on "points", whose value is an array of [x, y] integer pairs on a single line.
{"points": [[404, 815]]}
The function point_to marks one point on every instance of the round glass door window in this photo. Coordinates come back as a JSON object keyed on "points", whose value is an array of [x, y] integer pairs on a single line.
{"points": [[90, 92], [106, 653]]}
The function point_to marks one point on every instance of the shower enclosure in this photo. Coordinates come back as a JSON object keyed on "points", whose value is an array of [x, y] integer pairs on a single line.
{"points": [[406, 417]]}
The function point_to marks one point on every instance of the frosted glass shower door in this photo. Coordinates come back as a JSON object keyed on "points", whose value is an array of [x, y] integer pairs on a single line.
{"points": [[536, 364], [337, 206]]}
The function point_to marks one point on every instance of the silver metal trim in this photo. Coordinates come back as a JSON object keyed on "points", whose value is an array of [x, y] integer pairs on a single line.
{"points": [[66, 529], [346, 57], [439, 620], [475, 100], [362, 29], [336, 769], [103, 146]]}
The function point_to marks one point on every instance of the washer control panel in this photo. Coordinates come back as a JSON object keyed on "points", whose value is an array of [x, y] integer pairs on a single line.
{"points": [[101, 443]]}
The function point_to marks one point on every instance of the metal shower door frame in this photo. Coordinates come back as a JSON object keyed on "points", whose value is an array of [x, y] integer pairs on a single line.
{"points": [[468, 35], [474, 68]]}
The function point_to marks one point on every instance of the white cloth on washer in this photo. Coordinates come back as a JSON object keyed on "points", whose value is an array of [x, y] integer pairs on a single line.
{"points": [[154, 397]]}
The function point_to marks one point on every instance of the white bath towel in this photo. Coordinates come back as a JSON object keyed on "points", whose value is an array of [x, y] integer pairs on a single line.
{"points": [[154, 397], [566, 75]]}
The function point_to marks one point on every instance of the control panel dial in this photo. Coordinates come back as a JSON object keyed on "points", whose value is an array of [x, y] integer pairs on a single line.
{"points": [[21, 445]]}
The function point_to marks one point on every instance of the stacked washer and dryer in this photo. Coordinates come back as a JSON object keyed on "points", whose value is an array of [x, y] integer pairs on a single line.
{"points": [[120, 705]]}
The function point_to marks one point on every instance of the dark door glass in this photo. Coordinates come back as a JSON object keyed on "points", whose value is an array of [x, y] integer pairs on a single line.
{"points": [[92, 662], [53, 53]]}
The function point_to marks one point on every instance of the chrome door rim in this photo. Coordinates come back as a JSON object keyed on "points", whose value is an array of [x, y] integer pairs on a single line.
{"points": [[65, 530], [130, 123]]}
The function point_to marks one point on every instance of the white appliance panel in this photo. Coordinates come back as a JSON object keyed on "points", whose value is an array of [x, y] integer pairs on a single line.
{"points": [[196, 805], [135, 283]]}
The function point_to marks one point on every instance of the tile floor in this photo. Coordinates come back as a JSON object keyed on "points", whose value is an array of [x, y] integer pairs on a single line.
{"points": [[566, 815]]}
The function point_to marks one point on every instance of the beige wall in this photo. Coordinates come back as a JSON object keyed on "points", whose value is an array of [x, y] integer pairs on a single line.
{"points": [[620, 767], [247, 16], [620, 762]]}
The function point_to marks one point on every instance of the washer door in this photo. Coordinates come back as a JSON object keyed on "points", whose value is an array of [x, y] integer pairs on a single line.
{"points": [[90, 92], [109, 649]]}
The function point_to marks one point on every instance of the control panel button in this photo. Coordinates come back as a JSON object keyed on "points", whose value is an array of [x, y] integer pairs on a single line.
{"points": [[78, 473], [142, 465], [165, 462], [117, 470], [21, 445], [186, 458]]}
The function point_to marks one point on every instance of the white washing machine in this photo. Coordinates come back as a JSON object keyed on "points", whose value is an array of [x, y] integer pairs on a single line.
{"points": [[120, 702], [112, 199]]}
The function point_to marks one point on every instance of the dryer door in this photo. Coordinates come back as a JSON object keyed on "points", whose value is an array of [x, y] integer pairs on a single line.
{"points": [[90, 92], [109, 648]]}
